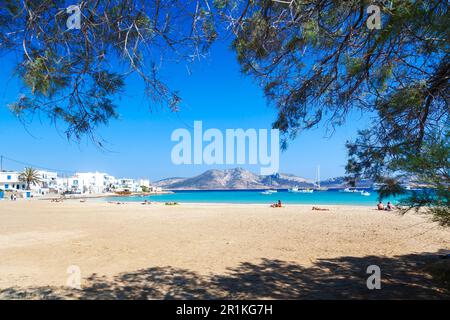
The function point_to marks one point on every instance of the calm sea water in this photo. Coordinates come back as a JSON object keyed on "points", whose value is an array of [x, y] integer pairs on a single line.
{"points": [[253, 196]]}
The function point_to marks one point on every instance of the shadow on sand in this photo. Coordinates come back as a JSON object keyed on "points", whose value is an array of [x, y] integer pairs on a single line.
{"points": [[402, 277]]}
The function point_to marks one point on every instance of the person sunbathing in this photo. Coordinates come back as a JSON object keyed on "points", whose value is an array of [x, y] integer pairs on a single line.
{"points": [[389, 207], [320, 209], [276, 205], [380, 206]]}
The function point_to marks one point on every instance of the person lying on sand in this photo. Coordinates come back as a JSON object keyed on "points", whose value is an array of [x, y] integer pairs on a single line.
{"points": [[171, 203], [320, 209], [146, 202]]}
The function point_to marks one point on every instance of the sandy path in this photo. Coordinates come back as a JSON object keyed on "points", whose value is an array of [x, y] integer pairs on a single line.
{"points": [[39, 240]]}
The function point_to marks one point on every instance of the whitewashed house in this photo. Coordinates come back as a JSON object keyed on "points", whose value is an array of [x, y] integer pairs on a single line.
{"points": [[110, 181], [144, 183], [86, 182], [155, 189], [125, 184], [81, 183], [90, 182], [48, 183], [9, 181]]}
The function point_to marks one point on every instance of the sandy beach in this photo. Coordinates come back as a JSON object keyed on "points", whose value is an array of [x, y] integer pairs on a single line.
{"points": [[135, 251]]}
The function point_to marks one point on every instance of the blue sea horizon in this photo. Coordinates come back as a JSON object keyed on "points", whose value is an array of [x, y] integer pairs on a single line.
{"points": [[329, 197]]}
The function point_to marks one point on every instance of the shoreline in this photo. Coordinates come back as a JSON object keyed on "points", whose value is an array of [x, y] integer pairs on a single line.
{"points": [[95, 196], [106, 199], [239, 204], [321, 198]]}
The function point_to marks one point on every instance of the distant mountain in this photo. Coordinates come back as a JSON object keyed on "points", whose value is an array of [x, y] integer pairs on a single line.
{"points": [[239, 178], [340, 182], [169, 181]]}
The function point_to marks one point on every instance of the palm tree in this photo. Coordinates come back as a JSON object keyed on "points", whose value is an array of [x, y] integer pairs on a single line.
{"points": [[30, 176]]}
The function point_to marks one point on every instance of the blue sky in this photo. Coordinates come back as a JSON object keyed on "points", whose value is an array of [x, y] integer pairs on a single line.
{"points": [[138, 143]]}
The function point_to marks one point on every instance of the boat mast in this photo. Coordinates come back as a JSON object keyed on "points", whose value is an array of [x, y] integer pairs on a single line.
{"points": [[318, 176]]}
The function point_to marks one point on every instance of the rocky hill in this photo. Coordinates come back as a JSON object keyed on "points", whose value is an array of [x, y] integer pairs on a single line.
{"points": [[237, 178]]}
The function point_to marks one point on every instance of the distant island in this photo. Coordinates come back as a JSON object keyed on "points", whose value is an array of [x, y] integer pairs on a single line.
{"points": [[239, 178]]}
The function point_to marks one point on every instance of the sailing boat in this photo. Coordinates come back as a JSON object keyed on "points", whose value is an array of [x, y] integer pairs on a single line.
{"points": [[318, 187]]}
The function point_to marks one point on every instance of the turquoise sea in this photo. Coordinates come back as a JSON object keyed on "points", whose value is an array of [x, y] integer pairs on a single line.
{"points": [[254, 196]]}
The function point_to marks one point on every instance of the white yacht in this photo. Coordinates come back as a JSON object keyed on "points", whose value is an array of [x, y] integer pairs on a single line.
{"points": [[307, 190], [351, 190]]}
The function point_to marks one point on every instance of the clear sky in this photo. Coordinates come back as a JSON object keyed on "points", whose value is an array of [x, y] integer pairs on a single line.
{"points": [[138, 143]]}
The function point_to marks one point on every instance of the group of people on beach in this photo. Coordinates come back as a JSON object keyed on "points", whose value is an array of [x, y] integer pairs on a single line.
{"points": [[380, 206], [388, 207], [276, 204]]}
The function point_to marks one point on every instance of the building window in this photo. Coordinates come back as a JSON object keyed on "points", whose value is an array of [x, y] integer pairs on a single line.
{"points": [[8, 177], [6, 186]]}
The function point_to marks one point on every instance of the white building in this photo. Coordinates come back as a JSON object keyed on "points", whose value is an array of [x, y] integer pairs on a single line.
{"points": [[89, 182], [9, 181], [155, 189], [125, 184], [48, 183], [81, 182], [144, 183], [48, 178]]}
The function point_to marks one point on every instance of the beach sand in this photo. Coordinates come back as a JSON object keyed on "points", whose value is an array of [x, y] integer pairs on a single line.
{"points": [[134, 251]]}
